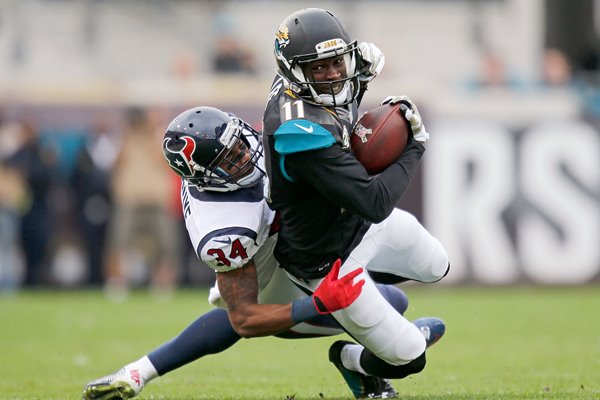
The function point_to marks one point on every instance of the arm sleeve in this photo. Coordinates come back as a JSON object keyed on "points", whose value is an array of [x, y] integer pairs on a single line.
{"points": [[339, 177]]}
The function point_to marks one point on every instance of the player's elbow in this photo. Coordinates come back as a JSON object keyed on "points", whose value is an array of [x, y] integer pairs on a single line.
{"points": [[243, 326], [240, 325]]}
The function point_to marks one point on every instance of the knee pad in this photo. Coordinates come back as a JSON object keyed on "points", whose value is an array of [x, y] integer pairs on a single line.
{"points": [[437, 266], [405, 348], [445, 273]]}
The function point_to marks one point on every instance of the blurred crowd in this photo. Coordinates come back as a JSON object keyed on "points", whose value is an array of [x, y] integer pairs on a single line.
{"points": [[555, 71], [111, 218], [97, 206]]}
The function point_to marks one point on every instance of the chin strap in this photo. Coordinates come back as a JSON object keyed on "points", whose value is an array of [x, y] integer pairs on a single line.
{"points": [[333, 100], [252, 178]]}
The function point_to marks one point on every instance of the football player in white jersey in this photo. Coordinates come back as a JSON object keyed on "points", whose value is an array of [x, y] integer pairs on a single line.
{"points": [[234, 232]]}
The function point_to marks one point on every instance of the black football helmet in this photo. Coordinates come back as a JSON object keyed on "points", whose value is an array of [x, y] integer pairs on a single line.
{"points": [[313, 34], [213, 150]]}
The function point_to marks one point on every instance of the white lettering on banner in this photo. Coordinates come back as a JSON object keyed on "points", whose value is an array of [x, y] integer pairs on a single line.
{"points": [[468, 178], [507, 209], [568, 252]]}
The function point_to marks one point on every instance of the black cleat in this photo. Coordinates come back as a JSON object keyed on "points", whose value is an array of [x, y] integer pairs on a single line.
{"points": [[362, 386]]}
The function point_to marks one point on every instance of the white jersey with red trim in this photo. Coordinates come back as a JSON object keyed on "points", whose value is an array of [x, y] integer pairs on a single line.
{"points": [[229, 228]]}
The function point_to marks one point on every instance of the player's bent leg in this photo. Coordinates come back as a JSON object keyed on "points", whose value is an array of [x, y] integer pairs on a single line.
{"points": [[281, 290], [401, 246], [432, 329], [210, 333], [369, 380], [373, 322], [373, 385], [362, 386]]}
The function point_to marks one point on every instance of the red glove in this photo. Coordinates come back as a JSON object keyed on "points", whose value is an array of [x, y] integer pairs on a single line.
{"points": [[334, 294]]}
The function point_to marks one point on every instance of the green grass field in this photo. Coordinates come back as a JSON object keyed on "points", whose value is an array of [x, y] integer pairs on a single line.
{"points": [[500, 343]]}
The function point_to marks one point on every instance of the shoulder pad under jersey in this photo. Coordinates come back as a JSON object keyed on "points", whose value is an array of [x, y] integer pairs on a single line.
{"points": [[301, 135], [228, 249]]}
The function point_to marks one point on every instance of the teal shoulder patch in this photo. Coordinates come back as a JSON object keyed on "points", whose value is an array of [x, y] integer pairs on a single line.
{"points": [[300, 135]]}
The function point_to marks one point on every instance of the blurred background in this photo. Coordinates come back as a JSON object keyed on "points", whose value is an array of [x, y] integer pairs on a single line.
{"points": [[509, 91]]}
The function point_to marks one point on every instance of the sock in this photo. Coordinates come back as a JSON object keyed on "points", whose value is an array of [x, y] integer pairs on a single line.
{"points": [[374, 365], [209, 334], [350, 356], [146, 368]]}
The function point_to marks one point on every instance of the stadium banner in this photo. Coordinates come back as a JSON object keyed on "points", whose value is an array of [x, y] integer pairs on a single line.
{"points": [[515, 205]]}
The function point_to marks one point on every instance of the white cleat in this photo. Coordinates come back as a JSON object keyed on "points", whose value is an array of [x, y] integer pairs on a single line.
{"points": [[123, 384]]}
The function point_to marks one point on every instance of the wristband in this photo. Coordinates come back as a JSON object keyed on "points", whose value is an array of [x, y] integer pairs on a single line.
{"points": [[304, 309]]}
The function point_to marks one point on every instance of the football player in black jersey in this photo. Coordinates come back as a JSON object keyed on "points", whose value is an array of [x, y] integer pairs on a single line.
{"points": [[332, 209]]}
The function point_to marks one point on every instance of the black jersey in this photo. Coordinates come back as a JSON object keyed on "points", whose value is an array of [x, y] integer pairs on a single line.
{"points": [[326, 199]]}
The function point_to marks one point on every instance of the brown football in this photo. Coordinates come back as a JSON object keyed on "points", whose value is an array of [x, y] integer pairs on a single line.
{"points": [[379, 137]]}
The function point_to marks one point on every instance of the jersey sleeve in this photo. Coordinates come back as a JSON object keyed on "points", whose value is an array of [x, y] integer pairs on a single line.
{"points": [[301, 135], [338, 176], [228, 249]]}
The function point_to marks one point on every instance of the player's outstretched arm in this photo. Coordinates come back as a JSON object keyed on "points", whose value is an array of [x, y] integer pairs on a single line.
{"points": [[239, 289]]}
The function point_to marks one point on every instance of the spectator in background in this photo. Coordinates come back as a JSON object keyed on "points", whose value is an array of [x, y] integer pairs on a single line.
{"points": [[143, 231], [493, 73], [231, 57], [184, 65], [12, 201], [90, 180], [556, 68], [37, 166]]}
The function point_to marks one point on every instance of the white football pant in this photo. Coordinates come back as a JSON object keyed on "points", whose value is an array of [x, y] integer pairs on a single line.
{"points": [[399, 245]]}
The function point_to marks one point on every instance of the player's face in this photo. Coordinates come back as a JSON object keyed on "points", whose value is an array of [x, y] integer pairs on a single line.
{"points": [[236, 160], [327, 70]]}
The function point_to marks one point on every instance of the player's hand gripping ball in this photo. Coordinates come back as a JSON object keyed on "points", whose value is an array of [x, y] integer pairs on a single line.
{"points": [[379, 137]]}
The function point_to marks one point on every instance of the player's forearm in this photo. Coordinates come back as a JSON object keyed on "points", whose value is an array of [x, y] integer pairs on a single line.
{"points": [[250, 319], [255, 320], [379, 200], [399, 175]]}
